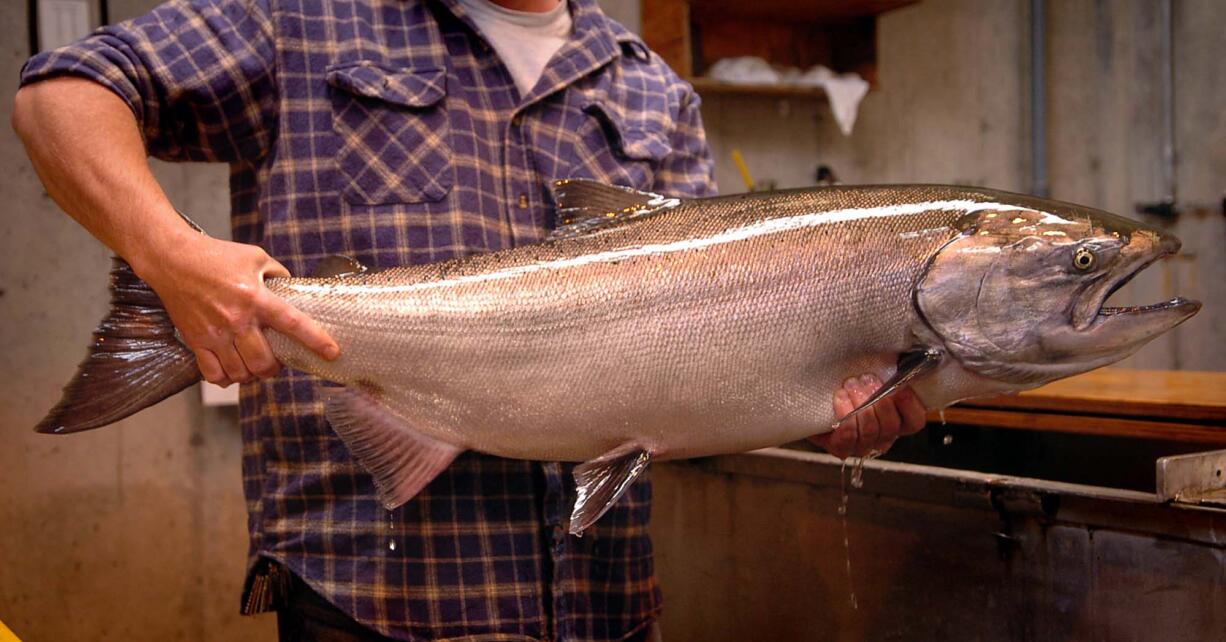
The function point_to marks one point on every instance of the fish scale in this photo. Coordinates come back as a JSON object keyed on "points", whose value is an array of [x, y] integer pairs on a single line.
{"points": [[704, 329], [651, 328]]}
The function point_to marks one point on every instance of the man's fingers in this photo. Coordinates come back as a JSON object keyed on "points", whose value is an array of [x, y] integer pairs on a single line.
{"points": [[889, 421], [256, 354], [233, 364], [291, 322], [274, 269], [867, 432], [210, 368], [914, 415], [867, 426], [842, 441], [874, 429]]}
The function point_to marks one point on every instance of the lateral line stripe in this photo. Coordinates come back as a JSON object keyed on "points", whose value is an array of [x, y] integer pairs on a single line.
{"points": [[759, 228]]}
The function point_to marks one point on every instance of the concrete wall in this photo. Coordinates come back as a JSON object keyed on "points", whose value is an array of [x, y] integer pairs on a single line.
{"points": [[137, 532]]}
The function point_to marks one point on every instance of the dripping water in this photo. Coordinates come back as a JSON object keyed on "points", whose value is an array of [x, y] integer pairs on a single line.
{"points": [[851, 587], [391, 531]]}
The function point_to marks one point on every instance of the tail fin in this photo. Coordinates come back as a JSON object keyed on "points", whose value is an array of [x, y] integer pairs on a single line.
{"points": [[134, 361]]}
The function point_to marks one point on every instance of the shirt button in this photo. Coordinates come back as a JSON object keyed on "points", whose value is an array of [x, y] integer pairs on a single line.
{"points": [[523, 201]]}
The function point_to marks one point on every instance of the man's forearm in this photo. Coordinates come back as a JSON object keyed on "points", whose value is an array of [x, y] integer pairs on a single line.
{"points": [[86, 146]]}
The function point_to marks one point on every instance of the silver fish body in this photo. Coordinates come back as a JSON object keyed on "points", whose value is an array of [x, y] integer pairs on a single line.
{"points": [[719, 326], [655, 328]]}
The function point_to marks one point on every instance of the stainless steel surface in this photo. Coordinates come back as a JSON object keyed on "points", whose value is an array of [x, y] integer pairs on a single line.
{"points": [[1197, 478]]}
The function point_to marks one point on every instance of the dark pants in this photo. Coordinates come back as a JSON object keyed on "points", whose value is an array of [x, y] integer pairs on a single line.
{"points": [[308, 617]]}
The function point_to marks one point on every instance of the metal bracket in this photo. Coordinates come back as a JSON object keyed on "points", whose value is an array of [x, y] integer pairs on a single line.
{"points": [[1196, 478]]}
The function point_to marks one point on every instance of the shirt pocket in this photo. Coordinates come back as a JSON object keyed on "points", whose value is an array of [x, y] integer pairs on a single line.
{"points": [[394, 134], [620, 147]]}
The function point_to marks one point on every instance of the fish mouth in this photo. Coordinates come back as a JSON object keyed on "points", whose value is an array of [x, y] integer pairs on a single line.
{"points": [[1144, 321], [1176, 302]]}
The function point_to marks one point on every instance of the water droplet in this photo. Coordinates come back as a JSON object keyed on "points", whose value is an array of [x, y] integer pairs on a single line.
{"points": [[851, 588], [941, 414], [857, 473], [947, 439], [391, 544]]}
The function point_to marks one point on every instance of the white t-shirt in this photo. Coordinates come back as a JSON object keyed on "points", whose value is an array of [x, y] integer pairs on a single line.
{"points": [[524, 40]]}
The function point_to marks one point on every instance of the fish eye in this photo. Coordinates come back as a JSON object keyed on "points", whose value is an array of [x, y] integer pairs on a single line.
{"points": [[1083, 259]]}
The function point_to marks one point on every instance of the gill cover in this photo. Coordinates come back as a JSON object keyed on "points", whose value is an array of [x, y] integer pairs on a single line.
{"points": [[994, 292]]}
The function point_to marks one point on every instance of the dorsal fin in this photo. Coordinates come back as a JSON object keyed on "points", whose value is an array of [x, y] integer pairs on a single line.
{"points": [[337, 265], [586, 206]]}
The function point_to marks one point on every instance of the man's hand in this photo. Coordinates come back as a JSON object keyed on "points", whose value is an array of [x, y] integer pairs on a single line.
{"points": [[85, 144], [873, 430], [215, 294]]}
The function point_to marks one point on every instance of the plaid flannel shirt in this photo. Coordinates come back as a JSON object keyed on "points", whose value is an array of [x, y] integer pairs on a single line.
{"points": [[389, 130]]}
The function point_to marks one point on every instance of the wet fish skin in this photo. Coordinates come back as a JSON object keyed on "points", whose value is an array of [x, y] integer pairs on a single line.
{"points": [[718, 325], [710, 328], [655, 328]]}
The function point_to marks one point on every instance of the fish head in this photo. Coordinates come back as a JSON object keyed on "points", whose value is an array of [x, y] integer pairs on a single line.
{"points": [[1019, 296]]}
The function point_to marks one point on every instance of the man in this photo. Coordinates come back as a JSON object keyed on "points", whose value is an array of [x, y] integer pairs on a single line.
{"points": [[396, 132]]}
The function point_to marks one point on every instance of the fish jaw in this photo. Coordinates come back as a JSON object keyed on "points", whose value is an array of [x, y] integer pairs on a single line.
{"points": [[1108, 332]]}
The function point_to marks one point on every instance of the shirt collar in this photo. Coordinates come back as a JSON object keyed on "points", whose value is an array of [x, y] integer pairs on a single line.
{"points": [[595, 40]]}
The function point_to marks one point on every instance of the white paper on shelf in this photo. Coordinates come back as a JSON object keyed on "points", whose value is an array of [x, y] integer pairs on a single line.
{"points": [[845, 91]]}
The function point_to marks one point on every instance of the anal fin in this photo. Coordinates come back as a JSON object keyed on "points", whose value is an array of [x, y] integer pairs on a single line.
{"points": [[401, 459], [911, 365], [602, 481]]}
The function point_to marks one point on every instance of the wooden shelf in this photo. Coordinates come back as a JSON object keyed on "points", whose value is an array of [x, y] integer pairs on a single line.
{"points": [[1153, 404], [691, 35], [825, 11], [707, 86]]}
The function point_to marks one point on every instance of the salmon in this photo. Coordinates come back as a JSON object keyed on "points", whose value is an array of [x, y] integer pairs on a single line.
{"points": [[650, 328]]}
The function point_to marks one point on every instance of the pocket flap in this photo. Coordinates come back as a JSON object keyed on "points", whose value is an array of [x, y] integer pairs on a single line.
{"points": [[633, 137], [644, 145], [407, 87]]}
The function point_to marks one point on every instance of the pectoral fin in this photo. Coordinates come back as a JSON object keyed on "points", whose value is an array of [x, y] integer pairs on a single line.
{"points": [[400, 458], [602, 481], [911, 364]]}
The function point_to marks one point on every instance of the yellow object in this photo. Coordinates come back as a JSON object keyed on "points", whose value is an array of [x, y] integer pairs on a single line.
{"points": [[6, 635], [740, 165]]}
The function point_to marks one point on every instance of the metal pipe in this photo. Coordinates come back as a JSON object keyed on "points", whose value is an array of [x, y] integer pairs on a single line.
{"points": [[1165, 206], [1166, 24], [1038, 99]]}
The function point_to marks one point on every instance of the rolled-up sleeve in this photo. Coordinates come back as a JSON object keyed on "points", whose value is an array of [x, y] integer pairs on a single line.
{"points": [[197, 74]]}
